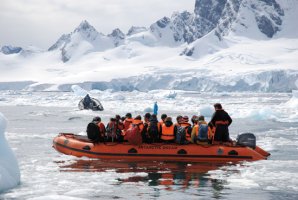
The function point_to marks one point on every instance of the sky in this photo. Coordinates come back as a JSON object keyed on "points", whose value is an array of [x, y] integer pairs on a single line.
{"points": [[40, 23]]}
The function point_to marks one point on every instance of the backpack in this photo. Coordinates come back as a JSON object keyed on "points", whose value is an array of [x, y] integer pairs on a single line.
{"points": [[133, 135], [203, 132], [180, 136], [110, 133], [93, 132], [153, 130]]}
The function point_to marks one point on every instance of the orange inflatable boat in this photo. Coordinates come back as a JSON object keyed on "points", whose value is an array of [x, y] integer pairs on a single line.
{"points": [[77, 145]]}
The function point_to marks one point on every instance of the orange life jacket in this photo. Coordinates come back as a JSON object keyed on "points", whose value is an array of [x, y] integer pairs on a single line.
{"points": [[139, 123], [102, 129], [196, 127], [167, 132], [127, 123], [160, 123]]}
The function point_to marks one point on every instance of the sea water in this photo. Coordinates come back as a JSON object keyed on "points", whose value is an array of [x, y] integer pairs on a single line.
{"points": [[35, 118]]}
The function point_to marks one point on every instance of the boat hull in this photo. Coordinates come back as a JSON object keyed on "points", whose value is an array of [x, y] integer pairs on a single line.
{"points": [[80, 146]]}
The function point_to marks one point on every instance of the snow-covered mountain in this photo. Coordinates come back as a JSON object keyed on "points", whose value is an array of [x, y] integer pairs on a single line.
{"points": [[85, 39], [222, 45]]}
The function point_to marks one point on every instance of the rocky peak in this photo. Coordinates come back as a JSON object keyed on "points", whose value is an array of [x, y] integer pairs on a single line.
{"points": [[162, 23], [10, 49], [135, 30], [84, 27], [117, 36], [65, 38], [117, 33], [268, 15]]}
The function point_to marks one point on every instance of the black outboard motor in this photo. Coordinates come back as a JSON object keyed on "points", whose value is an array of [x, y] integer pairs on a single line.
{"points": [[246, 139]]}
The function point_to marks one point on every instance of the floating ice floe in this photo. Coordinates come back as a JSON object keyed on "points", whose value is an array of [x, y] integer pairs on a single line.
{"points": [[293, 102], [206, 110], [261, 114], [9, 169], [79, 91]]}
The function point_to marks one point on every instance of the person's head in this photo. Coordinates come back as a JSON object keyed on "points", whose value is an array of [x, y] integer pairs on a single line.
{"points": [[122, 118], [193, 118], [217, 106], [179, 118], [138, 117], [185, 118], [128, 115], [96, 119], [112, 119], [201, 118], [168, 119], [117, 117], [163, 117], [147, 116], [153, 117]]}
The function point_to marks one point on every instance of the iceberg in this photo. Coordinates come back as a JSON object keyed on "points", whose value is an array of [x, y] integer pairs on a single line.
{"points": [[9, 168]]}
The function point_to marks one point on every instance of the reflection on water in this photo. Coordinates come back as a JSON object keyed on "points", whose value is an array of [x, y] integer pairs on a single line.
{"points": [[166, 175]]}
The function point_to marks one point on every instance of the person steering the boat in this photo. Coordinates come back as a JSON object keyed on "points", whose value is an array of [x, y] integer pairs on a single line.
{"points": [[221, 120]]}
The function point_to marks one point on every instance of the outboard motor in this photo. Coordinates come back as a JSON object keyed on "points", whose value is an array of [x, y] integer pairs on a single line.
{"points": [[246, 139]]}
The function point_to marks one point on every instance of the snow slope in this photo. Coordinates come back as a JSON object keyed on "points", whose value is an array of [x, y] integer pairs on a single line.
{"points": [[249, 46]]}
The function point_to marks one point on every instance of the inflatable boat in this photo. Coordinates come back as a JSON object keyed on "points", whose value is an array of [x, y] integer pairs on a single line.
{"points": [[92, 104], [77, 145]]}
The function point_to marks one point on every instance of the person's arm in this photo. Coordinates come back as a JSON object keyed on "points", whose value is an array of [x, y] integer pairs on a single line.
{"points": [[229, 119], [213, 119], [193, 134], [175, 131]]}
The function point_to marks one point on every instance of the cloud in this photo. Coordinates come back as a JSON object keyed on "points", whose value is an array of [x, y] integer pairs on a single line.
{"points": [[41, 22]]}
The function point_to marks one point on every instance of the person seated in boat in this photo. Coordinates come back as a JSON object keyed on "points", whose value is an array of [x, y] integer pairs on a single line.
{"points": [[96, 130], [162, 121], [137, 121], [128, 120], [119, 127], [145, 135], [114, 129], [111, 130], [168, 131], [134, 133], [153, 129], [221, 120], [179, 120], [194, 120], [126, 124], [199, 132], [187, 126]]}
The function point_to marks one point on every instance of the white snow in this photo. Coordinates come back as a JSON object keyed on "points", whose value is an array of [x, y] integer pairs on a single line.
{"points": [[9, 169]]}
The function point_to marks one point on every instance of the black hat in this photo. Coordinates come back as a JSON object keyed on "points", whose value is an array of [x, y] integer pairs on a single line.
{"points": [[128, 115], [217, 105], [147, 115], [96, 119], [138, 117], [163, 116]]}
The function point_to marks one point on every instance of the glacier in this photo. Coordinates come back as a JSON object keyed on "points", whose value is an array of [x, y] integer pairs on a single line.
{"points": [[222, 46]]}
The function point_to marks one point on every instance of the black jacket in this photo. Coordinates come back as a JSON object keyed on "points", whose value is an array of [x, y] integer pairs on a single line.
{"points": [[221, 120]]}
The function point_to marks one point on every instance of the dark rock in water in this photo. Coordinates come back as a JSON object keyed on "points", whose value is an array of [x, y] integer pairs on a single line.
{"points": [[73, 118]]}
